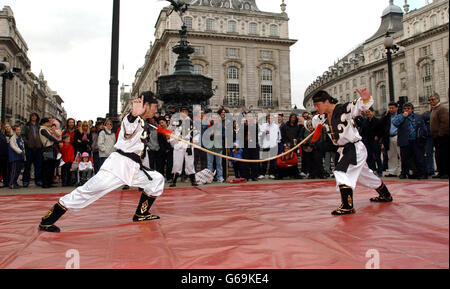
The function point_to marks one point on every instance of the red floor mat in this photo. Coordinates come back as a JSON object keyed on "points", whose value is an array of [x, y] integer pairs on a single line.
{"points": [[286, 225]]}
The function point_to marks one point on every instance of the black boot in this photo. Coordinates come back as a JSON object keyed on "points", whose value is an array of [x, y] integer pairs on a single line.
{"points": [[52, 216], [174, 181], [347, 202], [143, 209], [384, 195], [193, 181]]}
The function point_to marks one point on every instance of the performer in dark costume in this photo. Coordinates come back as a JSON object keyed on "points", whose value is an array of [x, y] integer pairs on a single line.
{"points": [[352, 167], [123, 167]]}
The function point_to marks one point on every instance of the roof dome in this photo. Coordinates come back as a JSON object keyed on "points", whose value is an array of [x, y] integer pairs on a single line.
{"points": [[233, 4], [392, 9]]}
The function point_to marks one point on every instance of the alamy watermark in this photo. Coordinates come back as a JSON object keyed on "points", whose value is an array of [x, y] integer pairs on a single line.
{"points": [[374, 259], [74, 259]]}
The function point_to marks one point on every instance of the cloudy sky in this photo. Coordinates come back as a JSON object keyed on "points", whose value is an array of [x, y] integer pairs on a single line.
{"points": [[70, 41]]}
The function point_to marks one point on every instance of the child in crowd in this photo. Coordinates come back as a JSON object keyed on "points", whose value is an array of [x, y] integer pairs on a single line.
{"points": [[236, 152], [288, 165], [85, 168], [68, 155], [16, 155]]}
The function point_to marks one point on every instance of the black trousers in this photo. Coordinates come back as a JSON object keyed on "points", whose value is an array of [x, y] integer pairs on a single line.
{"points": [[4, 171], [412, 158], [66, 174], [48, 170], [287, 172], [441, 154], [250, 170]]}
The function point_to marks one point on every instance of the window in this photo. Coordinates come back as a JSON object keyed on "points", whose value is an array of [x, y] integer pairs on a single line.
{"points": [[427, 77], [198, 69], [354, 83], [253, 28], [273, 30], [380, 75], [347, 85], [425, 51], [232, 26], [199, 50], [340, 88], [383, 95], [402, 67], [404, 83], [416, 27], [266, 87], [232, 52], [233, 85], [433, 20], [210, 24], [188, 22], [363, 80], [266, 55]]}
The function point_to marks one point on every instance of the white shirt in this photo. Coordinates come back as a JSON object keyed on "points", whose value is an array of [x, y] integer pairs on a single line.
{"points": [[271, 139], [85, 165]]}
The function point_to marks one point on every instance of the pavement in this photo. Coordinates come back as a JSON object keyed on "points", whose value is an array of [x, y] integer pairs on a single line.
{"points": [[33, 189]]}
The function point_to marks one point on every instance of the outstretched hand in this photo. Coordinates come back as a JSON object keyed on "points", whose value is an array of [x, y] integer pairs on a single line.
{"points": [[364, 93], [138, 107]]}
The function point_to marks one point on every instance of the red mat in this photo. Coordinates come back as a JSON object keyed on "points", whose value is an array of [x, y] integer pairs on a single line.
{"points": [[286, 225]]}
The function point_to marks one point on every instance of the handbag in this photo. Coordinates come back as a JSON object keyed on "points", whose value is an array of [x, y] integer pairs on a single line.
{"points": [[74, 166], [48, 154]]}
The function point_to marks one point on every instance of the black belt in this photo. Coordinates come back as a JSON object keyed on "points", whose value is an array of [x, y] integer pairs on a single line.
{"points": [[350, 143], [136, 158], [393, 135]]}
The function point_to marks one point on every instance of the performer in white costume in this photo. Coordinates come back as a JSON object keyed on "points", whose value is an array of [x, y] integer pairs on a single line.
{"points": [[123, 167], [183, 152], [352, 166]]}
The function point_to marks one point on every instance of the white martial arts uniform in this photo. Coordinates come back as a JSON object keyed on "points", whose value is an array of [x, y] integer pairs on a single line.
{"points": [[352, 166], [180, 153], [118, 170]]}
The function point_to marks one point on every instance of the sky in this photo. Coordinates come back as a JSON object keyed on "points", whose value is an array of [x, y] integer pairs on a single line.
{"points": [[70, 41]]}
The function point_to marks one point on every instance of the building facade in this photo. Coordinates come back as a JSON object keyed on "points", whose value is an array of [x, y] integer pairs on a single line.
{"points": [[25, 93], [244, 50], [420, 66]]}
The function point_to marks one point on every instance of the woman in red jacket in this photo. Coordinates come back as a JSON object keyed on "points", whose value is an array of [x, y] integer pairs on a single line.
{"points": [[287, 166]]}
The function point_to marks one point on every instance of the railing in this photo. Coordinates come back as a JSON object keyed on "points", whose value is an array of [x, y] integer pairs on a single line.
{"points": [[267, 103], [233, 102]]}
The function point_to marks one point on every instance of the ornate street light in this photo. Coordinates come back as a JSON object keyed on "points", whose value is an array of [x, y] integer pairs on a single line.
{"points": [[390, 48]]}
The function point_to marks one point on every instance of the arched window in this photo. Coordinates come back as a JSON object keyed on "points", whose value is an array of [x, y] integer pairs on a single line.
{"points": [[266, 87], [253, 28], [188, 22], [232, 26], [383, 96], [433, 20], [198, 69], [233, 85], [273, 30], [210, 24]]}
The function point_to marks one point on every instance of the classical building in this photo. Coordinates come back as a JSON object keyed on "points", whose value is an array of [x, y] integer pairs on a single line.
{"points": [[244, 50], [420, 66], [25, 92], [13, 50]]}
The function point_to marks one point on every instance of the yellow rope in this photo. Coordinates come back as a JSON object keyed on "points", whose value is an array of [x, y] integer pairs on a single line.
{"points": [[243, 160]]}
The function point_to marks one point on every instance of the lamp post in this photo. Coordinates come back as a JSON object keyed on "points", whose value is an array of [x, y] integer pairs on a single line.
{"points": [[5, 74], [114, 80], [390, 48]]}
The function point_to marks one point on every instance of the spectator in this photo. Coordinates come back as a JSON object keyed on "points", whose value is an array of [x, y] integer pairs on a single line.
{"points": [[390, 141], [33, 151], [429, 148], [16, 156], [312, 161], [270, 137], [371, 133], [330, 154], [199, 155], [68, 156], [106, 142], [281, 125], [4, 151], [236, 152], [217, 130], [164, 148], [287, 166], [251, 148], [291, 132], [85, 168], [83, 139], [70, 129], [48, 152], [95, 131], [411, 127], [439, 133]]}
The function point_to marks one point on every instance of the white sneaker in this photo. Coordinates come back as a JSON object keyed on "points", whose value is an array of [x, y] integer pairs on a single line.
{"points": [[303, 174], [261, 177], [220, 181], [272, 177]]}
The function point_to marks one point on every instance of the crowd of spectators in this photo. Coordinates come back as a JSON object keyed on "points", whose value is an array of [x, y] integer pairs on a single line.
{"points": [[400, 143]]}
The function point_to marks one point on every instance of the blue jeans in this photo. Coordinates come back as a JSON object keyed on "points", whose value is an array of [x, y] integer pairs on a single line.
{"points": [[210, 160]]}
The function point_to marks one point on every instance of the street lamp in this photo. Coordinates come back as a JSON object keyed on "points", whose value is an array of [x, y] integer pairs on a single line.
{"points": [[390, 48], [5, 74]]}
